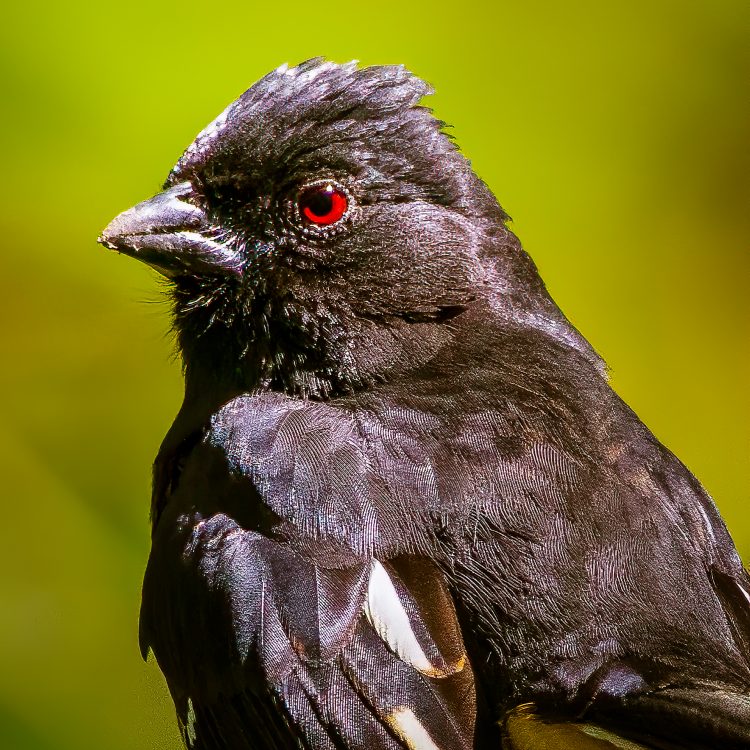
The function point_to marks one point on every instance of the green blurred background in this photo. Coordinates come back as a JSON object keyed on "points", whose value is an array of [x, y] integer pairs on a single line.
{"points": [[615, 134]]}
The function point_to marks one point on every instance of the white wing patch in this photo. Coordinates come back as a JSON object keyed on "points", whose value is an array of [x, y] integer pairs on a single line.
{"points": [[387, 615], [190, 734], [411, 730]]}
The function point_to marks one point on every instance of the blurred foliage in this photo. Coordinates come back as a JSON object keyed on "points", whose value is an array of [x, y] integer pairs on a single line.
{"points": [[616, 134]]}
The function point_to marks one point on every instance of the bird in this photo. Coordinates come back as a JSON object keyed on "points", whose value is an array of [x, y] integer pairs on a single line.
{"points": [[401, 506]]}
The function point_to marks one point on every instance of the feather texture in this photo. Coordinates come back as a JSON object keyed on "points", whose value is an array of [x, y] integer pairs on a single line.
{"points": [[401, 504]]}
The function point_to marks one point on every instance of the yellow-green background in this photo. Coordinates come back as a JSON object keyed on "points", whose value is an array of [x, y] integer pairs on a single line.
{"points": [[615, 134]]}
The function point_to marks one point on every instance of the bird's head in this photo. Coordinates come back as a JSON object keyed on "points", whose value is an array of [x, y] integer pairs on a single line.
{"points": [[322, 232]]}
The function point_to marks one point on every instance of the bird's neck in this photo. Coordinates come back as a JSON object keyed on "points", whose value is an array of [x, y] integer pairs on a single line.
{"points": [[229, 350], [222, 362]]}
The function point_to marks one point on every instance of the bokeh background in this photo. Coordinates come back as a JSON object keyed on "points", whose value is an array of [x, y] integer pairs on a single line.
{"points": [[616, 135]]}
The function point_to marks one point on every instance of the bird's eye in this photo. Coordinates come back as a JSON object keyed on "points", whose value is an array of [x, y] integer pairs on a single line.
{"points": [[323, 204]]}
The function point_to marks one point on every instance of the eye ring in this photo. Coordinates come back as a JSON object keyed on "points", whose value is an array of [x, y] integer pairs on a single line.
{"points": [[323, 204]]}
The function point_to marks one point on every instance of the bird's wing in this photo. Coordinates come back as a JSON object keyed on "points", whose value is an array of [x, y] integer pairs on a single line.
{"points": [[519, 532], [606, 582], [270, 641]]}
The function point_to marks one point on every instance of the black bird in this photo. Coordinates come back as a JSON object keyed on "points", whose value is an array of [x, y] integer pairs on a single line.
{"points": [[400, 506]]}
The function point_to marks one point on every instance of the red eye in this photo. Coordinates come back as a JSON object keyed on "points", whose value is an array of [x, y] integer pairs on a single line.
{"points": [[323, 204]]}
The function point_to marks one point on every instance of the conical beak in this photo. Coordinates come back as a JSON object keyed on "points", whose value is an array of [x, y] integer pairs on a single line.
{"points": [[172, 235]]}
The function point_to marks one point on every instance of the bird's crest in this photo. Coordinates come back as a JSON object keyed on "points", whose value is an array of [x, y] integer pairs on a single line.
{"points": [[316, 91]]}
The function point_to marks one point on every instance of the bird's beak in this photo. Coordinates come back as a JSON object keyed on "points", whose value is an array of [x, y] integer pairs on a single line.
{"points": [[172, 235]]}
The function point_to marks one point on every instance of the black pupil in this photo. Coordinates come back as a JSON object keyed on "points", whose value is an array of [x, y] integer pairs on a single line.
{"points": [[319, 202]]}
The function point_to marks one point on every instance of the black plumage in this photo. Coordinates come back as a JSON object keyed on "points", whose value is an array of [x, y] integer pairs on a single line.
{"points": [[400, 506]]}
